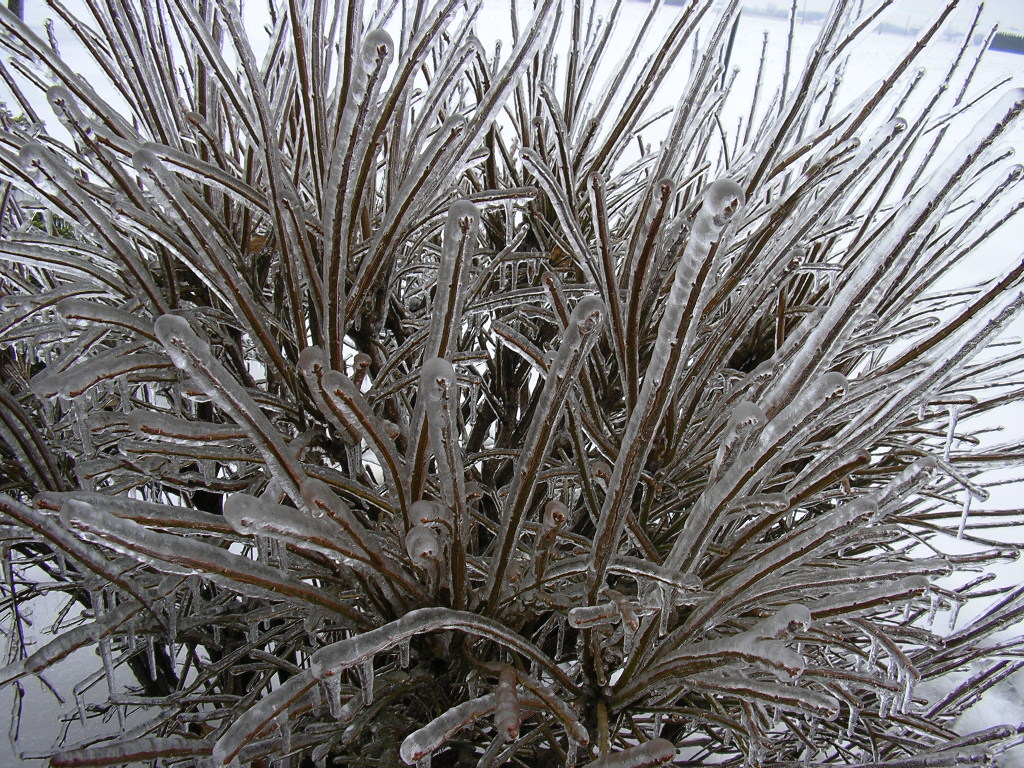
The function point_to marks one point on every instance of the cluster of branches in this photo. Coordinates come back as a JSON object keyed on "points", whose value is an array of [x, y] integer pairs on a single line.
{"points": [[393, 398]]}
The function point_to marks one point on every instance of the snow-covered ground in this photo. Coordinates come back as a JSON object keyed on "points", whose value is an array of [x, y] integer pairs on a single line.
{"points": [[41, 724]]}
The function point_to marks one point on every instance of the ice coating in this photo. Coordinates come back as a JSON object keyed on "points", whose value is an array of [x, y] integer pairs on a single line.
{"points": [[585, 323], [809, 400], [654, 752], [461, 211], [251, 516], [677, 332], [193, 355], [184, 556], [425, 512], [743, 420], [434, 734], [507, 715], [586, 318]]}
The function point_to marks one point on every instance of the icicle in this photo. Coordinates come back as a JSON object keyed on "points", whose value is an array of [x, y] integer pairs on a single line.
{"points": [[910, 678], [423, 762], [365, 672], [954, 612], [171, 610], [933, 608], [954, 414], [851, 722], [263, 549], [80, 703], [151, 657], [667, 598], [403, 653], [286, 732], [559, 637], [108, 664], [332, 686], [884, 702], [571, 751], [963, 516]]}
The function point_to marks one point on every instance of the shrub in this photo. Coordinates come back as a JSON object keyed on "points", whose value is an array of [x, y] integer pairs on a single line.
{"points": [[396, 399]]}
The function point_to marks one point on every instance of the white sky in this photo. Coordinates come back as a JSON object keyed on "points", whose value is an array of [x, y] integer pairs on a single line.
{"points": [[1009, 14]]}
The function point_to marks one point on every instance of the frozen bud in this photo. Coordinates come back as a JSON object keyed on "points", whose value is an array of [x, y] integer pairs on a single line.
{"points": [[464, 214], [602, 472], [422, 544], [590, 616], [797, 255], [555, 513], [588, 315], [473, 491], [312, 360], [722, 199], [424, 512], [361, 361], [438, 379], [378, 47], [177, 336], [360, 366], [784, 622]]}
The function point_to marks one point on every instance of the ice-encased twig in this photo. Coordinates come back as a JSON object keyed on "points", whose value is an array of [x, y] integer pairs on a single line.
{"points": [[192, 355], [585, 325], [343, 402], [36, 157], [434, 734], [439, 393], [148, 749], [457, 245], [340, 204], [253, 516], [331, 660], [676, 335], [702, 522], [654, 752], [111, 624], [68, 544], [793, 548], [185, 556], [507, 712]]}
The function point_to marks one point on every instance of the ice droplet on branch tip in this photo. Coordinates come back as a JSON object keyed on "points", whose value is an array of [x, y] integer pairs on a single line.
{"points": [[376, 44]]}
